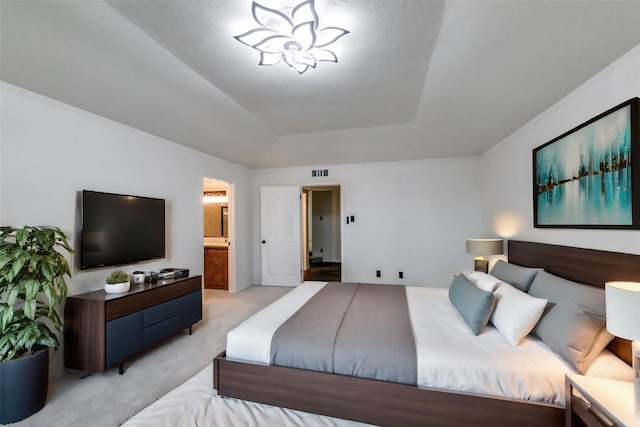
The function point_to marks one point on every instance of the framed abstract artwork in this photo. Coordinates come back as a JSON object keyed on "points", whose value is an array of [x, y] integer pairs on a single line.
{"points": [[587, 177]]}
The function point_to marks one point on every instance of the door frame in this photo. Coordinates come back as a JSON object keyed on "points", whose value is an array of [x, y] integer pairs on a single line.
{"points": [[319, 185], [231, 256]]}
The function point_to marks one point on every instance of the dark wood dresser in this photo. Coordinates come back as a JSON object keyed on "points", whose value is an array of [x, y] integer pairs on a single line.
{"points": [[102, 330]]}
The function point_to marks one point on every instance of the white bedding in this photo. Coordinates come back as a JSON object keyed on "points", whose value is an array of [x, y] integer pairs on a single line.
{"points": [[449, 355], [251, 340]]}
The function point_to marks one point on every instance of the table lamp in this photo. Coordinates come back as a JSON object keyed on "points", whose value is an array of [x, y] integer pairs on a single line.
{"points": [[623, 320], [483, 247]]}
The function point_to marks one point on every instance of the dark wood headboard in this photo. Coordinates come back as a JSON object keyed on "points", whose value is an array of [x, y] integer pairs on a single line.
{"points": [[589, 266]]}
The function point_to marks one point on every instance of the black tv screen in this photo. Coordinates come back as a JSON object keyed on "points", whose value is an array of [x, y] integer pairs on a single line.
{"points": [[120, 229]]}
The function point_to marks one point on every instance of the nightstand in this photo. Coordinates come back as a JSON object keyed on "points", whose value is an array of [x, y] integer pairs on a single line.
{"points": [[598, 402]]}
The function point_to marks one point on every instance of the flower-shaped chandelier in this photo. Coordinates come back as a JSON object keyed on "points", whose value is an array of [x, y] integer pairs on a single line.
{"points": [[291, 37]]}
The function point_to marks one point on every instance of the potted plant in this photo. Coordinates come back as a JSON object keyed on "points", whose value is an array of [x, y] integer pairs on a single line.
{"points": [[32, 285], [117, 282]]}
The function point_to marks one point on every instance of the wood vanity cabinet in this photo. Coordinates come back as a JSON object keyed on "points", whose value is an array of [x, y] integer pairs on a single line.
{"points": [[216, 267], [103, 330]]}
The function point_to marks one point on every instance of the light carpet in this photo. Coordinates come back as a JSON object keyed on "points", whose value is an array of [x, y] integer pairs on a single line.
{"points": [[109, 399]]}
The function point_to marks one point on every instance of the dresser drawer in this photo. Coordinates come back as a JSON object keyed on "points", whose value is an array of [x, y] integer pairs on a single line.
{"points": [[124, 338], [169, 309], [161, 330]]}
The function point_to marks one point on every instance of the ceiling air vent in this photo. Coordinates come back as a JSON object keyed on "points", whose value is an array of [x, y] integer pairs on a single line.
{"points": [[319, 172]]}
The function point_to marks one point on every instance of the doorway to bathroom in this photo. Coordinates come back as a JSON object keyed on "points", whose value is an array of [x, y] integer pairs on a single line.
{"points": [[217, 233]]}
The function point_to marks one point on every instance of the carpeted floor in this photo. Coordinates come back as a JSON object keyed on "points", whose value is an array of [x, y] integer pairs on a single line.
{"points": [[109, 399]]}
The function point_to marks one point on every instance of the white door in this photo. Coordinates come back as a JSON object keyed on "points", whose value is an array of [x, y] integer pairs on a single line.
{"points": [[281, 241]]}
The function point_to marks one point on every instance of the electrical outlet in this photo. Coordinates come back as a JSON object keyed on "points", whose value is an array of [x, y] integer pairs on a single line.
{"points": [[378, 273], [401, 275]]}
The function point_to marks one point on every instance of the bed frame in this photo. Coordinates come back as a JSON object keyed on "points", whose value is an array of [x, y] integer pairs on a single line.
{"points": [[385, 403]]}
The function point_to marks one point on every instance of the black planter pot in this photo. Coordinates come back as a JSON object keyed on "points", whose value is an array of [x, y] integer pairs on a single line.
{"points": [[23, 386]]}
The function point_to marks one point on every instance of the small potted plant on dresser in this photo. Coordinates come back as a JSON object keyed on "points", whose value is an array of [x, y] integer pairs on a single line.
{"points": [[32, 286], [117, 282]]}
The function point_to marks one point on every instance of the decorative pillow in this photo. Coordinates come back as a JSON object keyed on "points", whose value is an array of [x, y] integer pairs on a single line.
{"points": [[516, 275], [516, 313], [473, 304], [574, 324], [482, 280]]}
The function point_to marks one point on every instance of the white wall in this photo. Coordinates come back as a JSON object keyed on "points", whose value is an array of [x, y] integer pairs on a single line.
{"points": [[51, 150], [411, 216], [506, 168], [1, 139], [326, 235]]}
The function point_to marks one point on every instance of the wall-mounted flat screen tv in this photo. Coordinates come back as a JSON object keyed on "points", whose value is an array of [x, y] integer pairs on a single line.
{"points": [[120, 229]]}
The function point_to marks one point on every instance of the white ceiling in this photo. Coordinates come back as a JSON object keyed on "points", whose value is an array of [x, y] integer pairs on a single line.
{"points": [[414, 78]]}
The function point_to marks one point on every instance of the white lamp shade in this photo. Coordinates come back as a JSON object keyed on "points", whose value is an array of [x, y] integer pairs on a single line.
{"points": [[484, 246], [623, 309]]}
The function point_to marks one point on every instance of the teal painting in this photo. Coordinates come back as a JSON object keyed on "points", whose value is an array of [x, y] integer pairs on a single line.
{"points": [[586, 178]]}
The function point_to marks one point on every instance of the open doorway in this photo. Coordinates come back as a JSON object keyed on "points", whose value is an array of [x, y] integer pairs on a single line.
{"points": [[321, 229], [217, 234]]}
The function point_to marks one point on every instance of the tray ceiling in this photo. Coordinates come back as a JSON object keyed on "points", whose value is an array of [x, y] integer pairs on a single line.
{"points": [[414, 78]]}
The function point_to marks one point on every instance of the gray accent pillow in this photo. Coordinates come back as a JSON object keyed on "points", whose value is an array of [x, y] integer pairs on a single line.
{"points": [[474, 304], [516, 275], [573, 324]]}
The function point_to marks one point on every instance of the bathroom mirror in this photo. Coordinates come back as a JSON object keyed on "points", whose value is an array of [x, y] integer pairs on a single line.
{"points": [[216, 216]]}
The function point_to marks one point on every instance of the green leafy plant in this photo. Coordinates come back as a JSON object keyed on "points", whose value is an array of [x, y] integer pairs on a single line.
{"points": [[32, 285], [117, 276]]}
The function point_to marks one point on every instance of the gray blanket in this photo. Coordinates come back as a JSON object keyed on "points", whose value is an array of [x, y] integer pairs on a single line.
{"points": [[352, 329]]}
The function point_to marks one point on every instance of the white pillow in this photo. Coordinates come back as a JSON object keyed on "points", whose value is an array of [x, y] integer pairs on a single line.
{"points": [[482, 280], [516, 313]]}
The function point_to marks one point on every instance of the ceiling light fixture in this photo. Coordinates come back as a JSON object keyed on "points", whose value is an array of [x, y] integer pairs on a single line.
{"points": [[215, 197], [291, 36]]}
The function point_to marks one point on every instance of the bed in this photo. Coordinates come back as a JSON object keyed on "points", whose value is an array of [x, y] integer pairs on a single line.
{"points": [[389, 403]]}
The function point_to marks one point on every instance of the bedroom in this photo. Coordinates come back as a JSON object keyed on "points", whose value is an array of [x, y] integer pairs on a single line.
{"points": [[487, 196]]}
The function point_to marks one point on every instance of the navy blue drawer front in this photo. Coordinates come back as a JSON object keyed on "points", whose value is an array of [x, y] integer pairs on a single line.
{"points": [[193, 308], [124, 337], [181, 306], [161, 312], [166, 319], [161, 330]]}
